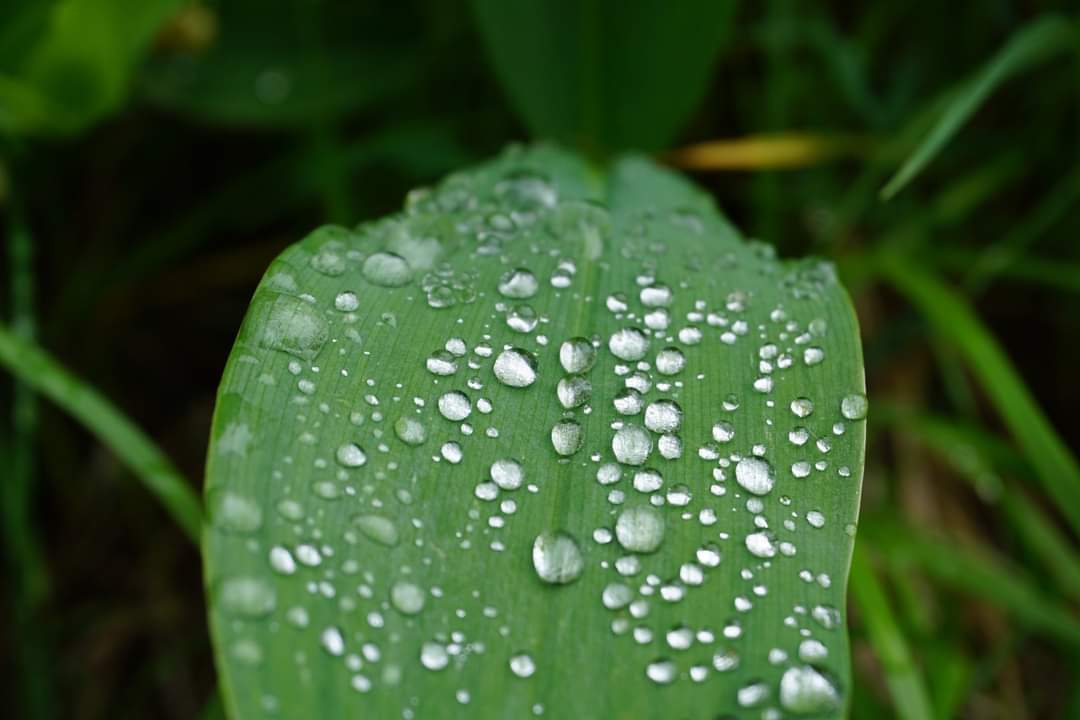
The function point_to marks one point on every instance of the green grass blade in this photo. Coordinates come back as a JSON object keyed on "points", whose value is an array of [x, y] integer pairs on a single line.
{"points": [[353, 516], [979, 573], [982, 459], [1030, 45], [36, 368], [905, 681], [950, 315]]}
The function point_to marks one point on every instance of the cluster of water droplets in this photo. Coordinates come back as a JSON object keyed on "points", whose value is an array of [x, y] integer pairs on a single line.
{"points": [[619, 383]]}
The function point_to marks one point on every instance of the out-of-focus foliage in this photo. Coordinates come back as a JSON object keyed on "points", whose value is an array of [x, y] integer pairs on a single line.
{"points": [[66, 63], [206, 145]]}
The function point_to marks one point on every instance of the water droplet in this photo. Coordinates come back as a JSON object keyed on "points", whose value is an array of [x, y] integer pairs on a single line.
{"points": [[629, 344], [234, 513], [640, 529], [628, 402], [515, 367], [455, 405], [377, 528], [557, 558], [281, 560], [632, 445], [567, 437], [656, 295], [663, 416], [522, 665], [410, 430], [522, 319], [802, 407], [815, 518], [760, 544], [433, 656], [346, 301], [813, 355], [670, 361], [616, 596], [442, 363], [854, 406], [755, 475], [247, 597], [806, 691], [350, 455], [518, 284], [648, 480], [507, 474], [573, 391], [407, 597], [723, 431], [662, 672], [752, 694], [387, 269], [577, 355], [288, 324]]}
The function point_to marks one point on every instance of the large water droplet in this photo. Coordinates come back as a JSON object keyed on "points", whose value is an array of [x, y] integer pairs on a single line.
{"points": [[854, 406], [577, 355], [632, 445], [670, 361], [567, 436], [640, 529], [755, 475], [387, 269], [662, 672], [455, 405], [806, 691], [288, 324], [407, 597], [377, 528], [522, 665], [507, 474], [518, 284], [234, 513], [433, 656], [410, 430], [557, 558], [663, 416], [629, 344], [351, 455], [248, 597], [573, 391], [516, 367]]}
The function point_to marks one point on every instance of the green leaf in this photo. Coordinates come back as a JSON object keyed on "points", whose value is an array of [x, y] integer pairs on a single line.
{"points": [[604, 75], [1040, 39], [351, 481], [61, 72]]}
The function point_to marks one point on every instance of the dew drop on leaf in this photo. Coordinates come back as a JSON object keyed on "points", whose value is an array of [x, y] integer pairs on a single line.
{"points": [[515, 367], [557, 558], [640, 529]]}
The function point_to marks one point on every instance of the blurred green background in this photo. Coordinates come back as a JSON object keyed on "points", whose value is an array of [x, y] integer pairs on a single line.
{"points": [[156, 154]]}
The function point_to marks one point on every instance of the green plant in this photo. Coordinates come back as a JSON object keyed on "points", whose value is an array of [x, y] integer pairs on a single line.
{"points": [[943, 192]]}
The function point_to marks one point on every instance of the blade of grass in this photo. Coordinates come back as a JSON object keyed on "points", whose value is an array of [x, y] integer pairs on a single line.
{"points": [[977, 572], [905, 681], [952, 317], [1035, 42], [979, 457], [1008, 256], [26, 566], [131, 445]]}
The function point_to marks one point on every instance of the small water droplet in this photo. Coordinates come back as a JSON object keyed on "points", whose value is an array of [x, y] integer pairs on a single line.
{"points": [[567, 437], [755, 475], [407, 597], [350, 455], [522, 665], [629, 344], [377, 528], [518, 284]]}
